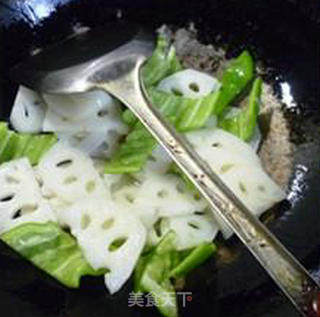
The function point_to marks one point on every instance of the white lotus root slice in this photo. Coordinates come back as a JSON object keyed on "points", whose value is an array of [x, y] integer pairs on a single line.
{"points": [[100, 144], [191, 230], [20, 196], [220, 148], [108, 237], [189, 83], [82, 105], [86, 142], [239, 167], [28, 111], [90, 122], [68, 175], [157, 195]]}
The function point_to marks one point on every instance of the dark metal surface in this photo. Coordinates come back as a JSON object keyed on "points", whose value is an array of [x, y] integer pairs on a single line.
{"points": [[85, 56], [88, 63], [282, 37]]}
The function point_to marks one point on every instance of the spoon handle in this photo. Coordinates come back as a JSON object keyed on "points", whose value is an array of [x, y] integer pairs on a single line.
{"points": [[286, 271]]}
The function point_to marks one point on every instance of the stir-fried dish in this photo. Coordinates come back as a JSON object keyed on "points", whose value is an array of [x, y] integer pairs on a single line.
{"points": [[86, 190]]}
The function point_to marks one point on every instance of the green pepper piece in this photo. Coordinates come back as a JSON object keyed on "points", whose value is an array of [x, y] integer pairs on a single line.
{"points": [[152, 275], [195, 258], [156, 268], [236, 77], [162, 63], [243, 124]]}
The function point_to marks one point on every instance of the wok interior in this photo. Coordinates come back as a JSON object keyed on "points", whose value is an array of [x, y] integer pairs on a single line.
{"points": [[288, 54]]}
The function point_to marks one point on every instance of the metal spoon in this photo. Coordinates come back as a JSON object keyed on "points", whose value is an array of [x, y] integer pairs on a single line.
{"points": [[110, 58]]}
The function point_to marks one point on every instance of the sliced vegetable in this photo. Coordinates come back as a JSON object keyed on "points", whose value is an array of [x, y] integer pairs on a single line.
{"points": [[243, 124], [81, 106], [156, 268], [256, 139], [186, 114], [28, 111], [159, 161], [89, 122], [20, 196], [239, 167], [129, 118], [94, 143], [37, 146], [194, 259], [153, 195], [109, 237], [9, 150], [169, 105], [68, 175], [189, 114], [189, 83], [162, 63], [191, 230], [14, 145], [20, 145], [52, 250], [235, 78], [152, 275], [194, 113], [228, 149], [139, 271], [133, 153], [4, 133], [139, 144], [189, 186]]}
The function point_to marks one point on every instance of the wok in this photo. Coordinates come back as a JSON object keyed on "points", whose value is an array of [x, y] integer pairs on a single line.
{"points": [[283, 36]]}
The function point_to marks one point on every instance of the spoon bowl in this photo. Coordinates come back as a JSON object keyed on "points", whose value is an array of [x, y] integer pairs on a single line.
{"points": [[76, 64]]}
